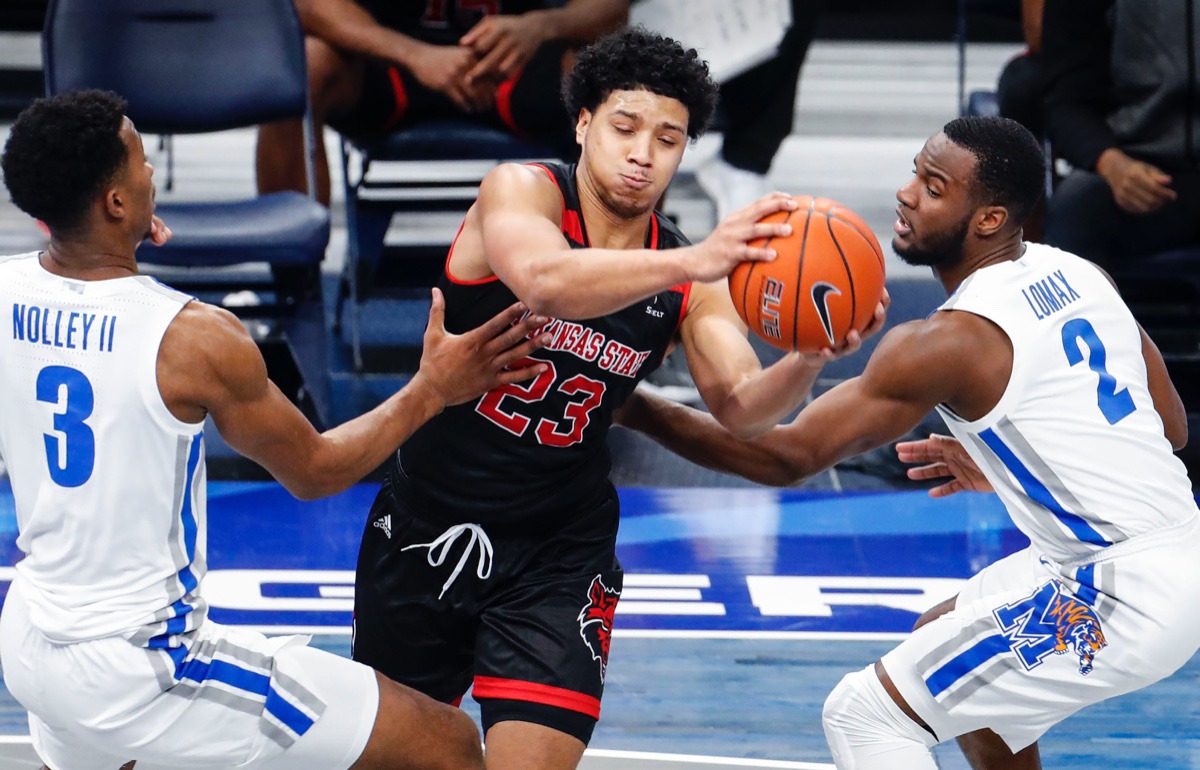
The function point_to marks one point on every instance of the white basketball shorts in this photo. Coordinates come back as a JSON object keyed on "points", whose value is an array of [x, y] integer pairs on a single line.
{"points": [[227, 698], [1031, 642]]}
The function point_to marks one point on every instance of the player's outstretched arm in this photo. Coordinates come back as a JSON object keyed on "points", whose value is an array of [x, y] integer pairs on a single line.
{"points": [[520, 219], [208, 364], [739, 393], [913, 370]]}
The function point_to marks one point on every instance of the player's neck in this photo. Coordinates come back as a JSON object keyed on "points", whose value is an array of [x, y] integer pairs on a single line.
{"points": [[605, 228], [88, 259], [984, 255]]}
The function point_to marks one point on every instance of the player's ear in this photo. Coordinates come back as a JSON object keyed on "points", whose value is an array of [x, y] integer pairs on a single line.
{"points": [[991, 220], [114, 202], [581, 125]]}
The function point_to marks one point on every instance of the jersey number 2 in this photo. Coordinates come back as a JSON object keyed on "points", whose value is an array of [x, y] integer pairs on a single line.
{"points": [[71, 449], [1115, 405], [548, 432]]}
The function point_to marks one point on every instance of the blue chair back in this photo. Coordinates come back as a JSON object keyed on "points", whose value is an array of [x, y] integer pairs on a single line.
{"points": [[184, 66]]}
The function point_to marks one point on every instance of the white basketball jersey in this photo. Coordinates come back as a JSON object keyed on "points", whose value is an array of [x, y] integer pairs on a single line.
{"points": [[1074, 448], [109, 485]]}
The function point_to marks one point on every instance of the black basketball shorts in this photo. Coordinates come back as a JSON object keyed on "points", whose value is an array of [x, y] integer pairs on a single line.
{"points": [[523, 617], [528, 104]]}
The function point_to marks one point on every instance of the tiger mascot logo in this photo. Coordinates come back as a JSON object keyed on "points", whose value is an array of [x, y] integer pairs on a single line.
{"points": [[1077, 630]]}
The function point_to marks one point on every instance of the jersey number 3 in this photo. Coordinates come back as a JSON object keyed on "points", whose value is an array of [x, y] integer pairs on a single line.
{"points": [[1115, 405], [71, 449], [548, 432]]}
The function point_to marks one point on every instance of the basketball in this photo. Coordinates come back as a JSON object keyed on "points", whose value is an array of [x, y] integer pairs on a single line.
{"points": [[826, 280]]}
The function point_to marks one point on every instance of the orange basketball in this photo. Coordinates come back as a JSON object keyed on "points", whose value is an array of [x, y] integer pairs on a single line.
{"points": [[827, 279]]}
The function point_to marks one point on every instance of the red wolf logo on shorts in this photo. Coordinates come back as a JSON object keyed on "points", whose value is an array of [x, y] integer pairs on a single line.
{"points": [[596, 621]]}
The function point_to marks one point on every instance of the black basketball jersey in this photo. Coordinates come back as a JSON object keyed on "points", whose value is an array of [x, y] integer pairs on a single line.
{"points": [[441, 21], [537, 450]]}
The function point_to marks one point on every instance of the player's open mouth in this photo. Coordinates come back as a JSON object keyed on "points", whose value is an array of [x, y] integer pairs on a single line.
{"points": [[901, 225]]}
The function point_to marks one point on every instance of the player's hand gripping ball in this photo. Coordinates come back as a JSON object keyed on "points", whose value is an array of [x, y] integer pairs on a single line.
{"points": [[826, 280]]}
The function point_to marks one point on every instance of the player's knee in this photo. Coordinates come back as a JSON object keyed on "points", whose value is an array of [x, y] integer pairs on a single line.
{"points": [[463, 744], [326, 71], [841, 704], [863, 724]]}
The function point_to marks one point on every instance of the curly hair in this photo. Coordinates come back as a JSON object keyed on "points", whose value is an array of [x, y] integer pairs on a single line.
{"points": [[635, 59], [61, 153], [1010, 167]]}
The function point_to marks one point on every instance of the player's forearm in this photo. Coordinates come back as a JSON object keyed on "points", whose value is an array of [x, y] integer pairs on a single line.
{"points": [[583, 21], [353, 449], [576, 284], [698, 437], [760, 401], [346, 25]]}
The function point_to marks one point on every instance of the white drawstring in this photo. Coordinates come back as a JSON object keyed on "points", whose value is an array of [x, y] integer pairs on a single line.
{"points": [[440, 548]]}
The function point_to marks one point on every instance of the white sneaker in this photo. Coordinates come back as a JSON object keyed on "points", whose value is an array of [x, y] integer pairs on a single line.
{"points": [[730, 187]]}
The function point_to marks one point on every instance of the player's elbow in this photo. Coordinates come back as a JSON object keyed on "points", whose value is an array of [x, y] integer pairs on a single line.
{"points": [[740, 423], [538, 289], [780, 470], [305, 489], [1177, 434]]}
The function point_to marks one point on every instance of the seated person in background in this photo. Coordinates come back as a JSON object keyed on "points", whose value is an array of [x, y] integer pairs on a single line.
{"points": [[1019, 91], [1123, 108], [757, 110], [377, 65]]}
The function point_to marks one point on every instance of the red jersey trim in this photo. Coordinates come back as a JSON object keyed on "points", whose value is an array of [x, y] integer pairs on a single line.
{"points": [[449, 254], [572, 224], [550, 174], [530, 692], [686, 290], [504, 103], [401, 98]]}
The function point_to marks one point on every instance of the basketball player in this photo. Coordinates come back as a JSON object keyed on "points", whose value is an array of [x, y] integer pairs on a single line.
{"points": [[497, 568], [1065, 406], [106, 378]]}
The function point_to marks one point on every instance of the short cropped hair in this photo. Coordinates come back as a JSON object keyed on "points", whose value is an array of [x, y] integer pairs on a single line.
{"points": [[1010, 167], [62, 152], [637, 59]]}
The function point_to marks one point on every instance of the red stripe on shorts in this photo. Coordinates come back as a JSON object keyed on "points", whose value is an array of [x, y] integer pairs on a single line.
{"points": [[530, 692]]}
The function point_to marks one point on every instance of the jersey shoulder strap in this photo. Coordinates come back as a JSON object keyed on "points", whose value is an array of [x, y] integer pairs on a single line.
{"points": [[563, 176]]}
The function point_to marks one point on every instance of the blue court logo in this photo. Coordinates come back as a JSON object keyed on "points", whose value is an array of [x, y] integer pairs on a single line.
{"points": [[1051, 621]]}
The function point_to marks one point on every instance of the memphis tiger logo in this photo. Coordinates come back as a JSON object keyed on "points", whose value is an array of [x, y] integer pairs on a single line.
{"points": [[1052, 622], [596, 621]]}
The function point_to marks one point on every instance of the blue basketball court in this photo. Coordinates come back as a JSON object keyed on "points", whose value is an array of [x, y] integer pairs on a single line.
{"points": [[742, 608]]}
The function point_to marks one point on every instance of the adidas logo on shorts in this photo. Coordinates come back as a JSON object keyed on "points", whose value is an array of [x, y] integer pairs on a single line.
{"points": [[386, 525]]}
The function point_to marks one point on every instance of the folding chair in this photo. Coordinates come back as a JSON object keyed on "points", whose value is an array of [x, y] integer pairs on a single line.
{"points": [[434, 166], [196, 66]]}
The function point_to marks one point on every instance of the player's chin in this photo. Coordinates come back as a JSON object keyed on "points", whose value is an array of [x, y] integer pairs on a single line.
{"points": [[633, 205]]}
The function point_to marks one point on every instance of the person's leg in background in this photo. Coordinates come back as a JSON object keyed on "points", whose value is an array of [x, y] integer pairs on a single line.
{"points": [[1019, 93], [335, 84], [529, 104], [1083, 218], [758, 108]]}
